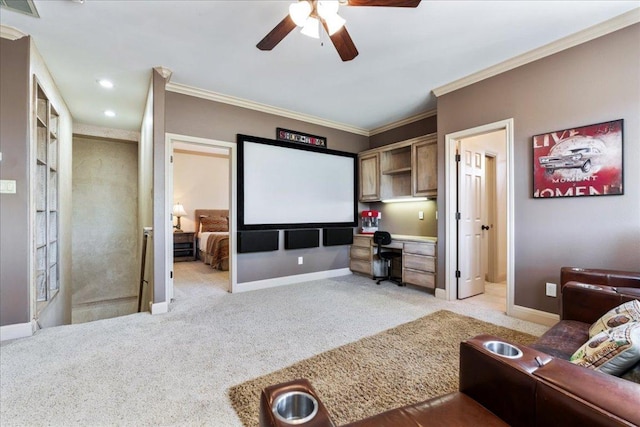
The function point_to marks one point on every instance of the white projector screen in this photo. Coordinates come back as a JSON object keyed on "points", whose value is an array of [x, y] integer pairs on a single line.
{"points": [[285, 185]]}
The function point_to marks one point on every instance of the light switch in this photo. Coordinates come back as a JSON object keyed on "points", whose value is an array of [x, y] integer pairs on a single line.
{"points": [[8, 186], [420, 214]]}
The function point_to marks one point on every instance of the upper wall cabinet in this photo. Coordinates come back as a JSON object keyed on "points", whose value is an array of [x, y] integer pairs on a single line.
{"points": [[424, 167], [400, 170], [369, 180]]}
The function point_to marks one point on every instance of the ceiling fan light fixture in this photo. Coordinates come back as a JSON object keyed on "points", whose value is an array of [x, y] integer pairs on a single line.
{"points": [[327, 8], [299, 12], [311, 28], [334, 23]]}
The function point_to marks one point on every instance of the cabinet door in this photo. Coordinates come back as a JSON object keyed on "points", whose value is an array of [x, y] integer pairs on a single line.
{"points": [[425, 174], [369, 178]]}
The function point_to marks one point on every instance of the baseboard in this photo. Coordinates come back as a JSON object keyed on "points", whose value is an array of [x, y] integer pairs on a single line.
{"points": [[159, 308], [17, 330], [441, 293], [290, 280], [535, 316]]}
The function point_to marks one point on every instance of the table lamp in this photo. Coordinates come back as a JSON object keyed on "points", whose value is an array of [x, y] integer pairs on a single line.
{"points": [[178, 211]]}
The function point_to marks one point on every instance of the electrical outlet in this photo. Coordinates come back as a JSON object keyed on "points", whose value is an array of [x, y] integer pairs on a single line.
{"points": [[551, 289], [300, 260], [420, 214], [8, 186]]}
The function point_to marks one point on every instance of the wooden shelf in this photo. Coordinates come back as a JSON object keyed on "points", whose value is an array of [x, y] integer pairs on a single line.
{"points": [[397, 171]]}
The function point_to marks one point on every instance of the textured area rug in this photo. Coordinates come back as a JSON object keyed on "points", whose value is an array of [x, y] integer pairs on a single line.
{"points": [[403, 365]]}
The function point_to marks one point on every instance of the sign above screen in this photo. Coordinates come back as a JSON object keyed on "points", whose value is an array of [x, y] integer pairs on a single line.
{"points": [[283, 185]]}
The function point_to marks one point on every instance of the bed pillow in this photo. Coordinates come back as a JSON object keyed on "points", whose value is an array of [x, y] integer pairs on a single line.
{"points": [[612, 351], [214, 223], [624, 313]]}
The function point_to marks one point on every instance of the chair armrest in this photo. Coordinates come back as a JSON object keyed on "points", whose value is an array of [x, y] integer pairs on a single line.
{"points": [[573, 395], [599, 276], [504, 386]]}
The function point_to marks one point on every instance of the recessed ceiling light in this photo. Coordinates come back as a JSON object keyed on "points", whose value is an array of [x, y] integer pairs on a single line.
{"points": [[108, 84], [110, 113]]}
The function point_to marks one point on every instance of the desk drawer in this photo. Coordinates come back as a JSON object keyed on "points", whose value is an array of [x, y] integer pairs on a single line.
{"points": [[419, 262], [360, 266], [420, 248], [420, 278], [362, 241], [358, 252]]}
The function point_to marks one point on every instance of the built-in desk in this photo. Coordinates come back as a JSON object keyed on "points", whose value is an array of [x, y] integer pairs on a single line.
{"points": [[418, 258]]}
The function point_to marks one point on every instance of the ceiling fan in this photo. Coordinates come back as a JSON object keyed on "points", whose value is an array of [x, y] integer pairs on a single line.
{"points": [[310, 14]]}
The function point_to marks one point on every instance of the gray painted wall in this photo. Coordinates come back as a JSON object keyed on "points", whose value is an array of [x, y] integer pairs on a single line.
{"points": [[160, 215], [590, 83], [411, 130], [105, 202], [192, 116], [14, 208]]}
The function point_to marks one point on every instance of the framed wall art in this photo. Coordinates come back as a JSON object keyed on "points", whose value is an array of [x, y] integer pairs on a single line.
{"points": [[583, 161]]}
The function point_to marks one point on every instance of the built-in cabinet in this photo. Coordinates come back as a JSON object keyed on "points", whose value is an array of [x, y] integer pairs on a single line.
{"points": [[400, 170], [369, 177], [46, 249], [418, 258]]}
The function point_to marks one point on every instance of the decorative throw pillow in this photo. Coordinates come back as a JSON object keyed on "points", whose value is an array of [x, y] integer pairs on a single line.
{"points": [[624, 313], [612, 351], [214, 223]]}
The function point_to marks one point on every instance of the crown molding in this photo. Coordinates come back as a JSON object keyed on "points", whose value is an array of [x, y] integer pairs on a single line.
{"points": [[10, 33], [403, 122], [619, 22], [164, 72], [251, 105]]}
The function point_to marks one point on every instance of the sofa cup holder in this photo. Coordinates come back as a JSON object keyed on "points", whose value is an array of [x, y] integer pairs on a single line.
{"points": [[503, 349], [295, 407]]}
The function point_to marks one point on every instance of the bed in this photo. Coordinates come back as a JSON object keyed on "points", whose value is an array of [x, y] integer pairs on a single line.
{"points": [[212, 237]]}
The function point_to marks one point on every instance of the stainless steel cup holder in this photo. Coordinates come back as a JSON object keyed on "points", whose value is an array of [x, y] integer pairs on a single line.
{"points": [[295, 407], [503, 349]]}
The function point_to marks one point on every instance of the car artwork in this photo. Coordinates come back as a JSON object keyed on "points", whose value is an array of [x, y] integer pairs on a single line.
{"points": [[573, 153]]}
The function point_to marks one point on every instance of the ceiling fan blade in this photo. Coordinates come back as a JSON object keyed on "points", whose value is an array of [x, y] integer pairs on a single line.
{"points": [[343, 43], [386, 3], [276, 35]]}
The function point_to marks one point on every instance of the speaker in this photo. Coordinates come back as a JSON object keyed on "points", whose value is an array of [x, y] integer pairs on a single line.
{"points": [[257, 241], [299, 239], [337, 236]]}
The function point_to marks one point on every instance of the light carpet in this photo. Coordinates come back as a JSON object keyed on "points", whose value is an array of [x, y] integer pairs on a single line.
{"points": [[174, 369], [407, 364]]}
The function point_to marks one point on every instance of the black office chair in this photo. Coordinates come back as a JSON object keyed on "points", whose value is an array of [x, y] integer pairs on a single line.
{"points": [[384, 238]]}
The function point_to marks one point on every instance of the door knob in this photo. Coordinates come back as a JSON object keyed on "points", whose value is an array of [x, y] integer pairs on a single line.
{"points": [[485, 227]]}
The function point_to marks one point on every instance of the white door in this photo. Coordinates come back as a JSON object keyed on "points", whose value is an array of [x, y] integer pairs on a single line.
{"points": [[471, 205]]}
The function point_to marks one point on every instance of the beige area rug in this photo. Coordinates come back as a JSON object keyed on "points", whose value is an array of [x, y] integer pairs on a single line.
{"points": [[407, 364]]}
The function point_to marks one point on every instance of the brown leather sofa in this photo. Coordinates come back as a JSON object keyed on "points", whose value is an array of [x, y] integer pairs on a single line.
{"points": [[586, 295], [537, 388]]}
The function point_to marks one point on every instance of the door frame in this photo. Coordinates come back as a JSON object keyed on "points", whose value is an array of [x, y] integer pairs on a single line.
{"points": [[451, 243], [170, 138]]}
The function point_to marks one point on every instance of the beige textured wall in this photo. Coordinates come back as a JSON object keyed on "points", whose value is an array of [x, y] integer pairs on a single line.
{"points": [[591, 83], [105, 204], [402, 218], [200, 181]]}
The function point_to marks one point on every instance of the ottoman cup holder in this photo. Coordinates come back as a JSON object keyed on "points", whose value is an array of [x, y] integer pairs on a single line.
{"points": [[295, 407], [503, 349]]}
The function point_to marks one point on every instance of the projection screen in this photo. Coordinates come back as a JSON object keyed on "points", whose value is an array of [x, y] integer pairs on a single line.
{"points": [[286, 185]]}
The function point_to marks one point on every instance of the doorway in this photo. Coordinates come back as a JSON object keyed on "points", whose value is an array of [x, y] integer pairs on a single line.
{"points": [[197, 166], [480, 244]]}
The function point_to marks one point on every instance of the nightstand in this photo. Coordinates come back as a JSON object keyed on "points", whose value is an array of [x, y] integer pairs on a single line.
{"points": [[184, 246]]}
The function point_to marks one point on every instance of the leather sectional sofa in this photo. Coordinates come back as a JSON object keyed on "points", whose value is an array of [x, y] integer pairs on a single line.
{"points": [[504, 383]]}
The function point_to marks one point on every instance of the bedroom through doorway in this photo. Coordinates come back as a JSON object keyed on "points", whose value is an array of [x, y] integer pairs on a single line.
{"points": [[200, 199]]}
